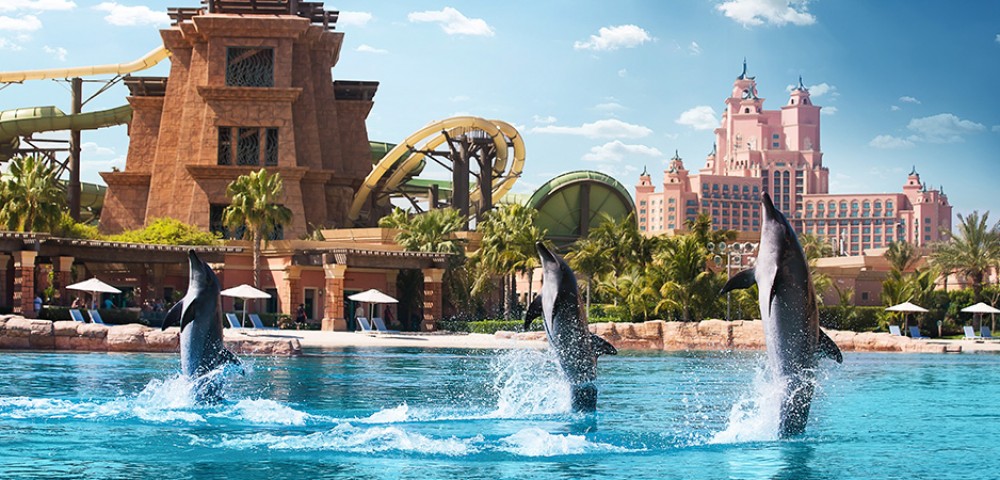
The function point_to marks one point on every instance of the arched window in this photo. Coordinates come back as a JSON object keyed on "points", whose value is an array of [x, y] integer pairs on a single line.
{"points": [[878, 204]]}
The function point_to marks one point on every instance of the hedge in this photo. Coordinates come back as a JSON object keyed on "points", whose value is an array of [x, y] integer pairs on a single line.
{"points": [[861, 319]]}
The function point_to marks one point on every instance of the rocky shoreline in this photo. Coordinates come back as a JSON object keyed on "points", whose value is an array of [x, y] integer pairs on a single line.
{"points": [[734, 335], [19, 333]]}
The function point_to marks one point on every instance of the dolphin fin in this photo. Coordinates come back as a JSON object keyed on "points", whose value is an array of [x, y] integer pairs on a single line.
{"points": [[534, 311], [173, 315], [744, 279], [187, 317], [602, 346], [829, 348]]}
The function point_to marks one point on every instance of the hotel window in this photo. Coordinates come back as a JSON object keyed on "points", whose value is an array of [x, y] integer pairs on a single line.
{"points": [[244, 143], [249, 67], [671, 200]]}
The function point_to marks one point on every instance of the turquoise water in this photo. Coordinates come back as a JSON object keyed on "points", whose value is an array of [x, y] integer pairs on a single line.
{"points": [[412, 413]]}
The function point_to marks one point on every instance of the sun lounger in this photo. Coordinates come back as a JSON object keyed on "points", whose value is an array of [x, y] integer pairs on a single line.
{"points": [[987, 334], [257, 324], [77, 315], [970, 333], [894, 331], [915, 333], [380, 326], [95, 317], [363, 325], [234, 321]]}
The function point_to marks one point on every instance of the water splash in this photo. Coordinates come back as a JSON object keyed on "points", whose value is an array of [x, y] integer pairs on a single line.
{"points": [[529, 382], [535, 442], [756, 415], [348, 438], [390, 415], [266, 412]]}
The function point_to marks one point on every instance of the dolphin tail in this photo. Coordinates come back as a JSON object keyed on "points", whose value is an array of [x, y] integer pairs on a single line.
{"points": [[534, 311], [829, 348], [602, 346], [744, 279]]}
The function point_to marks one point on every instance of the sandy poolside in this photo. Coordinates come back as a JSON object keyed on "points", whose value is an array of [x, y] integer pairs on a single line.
{"points": [[320, 339]]}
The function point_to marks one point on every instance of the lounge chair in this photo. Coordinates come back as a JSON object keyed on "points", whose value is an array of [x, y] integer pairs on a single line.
{"points": [[894, 331], [984, 332], [380, 326], [234, 321], [970, 333], [915, 333], [96, 317], [363, 325], [77, 315], [257, 324]]}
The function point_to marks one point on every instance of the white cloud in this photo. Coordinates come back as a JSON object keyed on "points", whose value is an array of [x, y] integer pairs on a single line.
{"points": [[365, 48], [608, 128], [694, 48], [701, 117], [828, 110], [453, 22], [622, 73], [27, 23], [36, 5], [616, 151], [92, 148], [894, 108], [909, 100], [8, 45], [889, 141], [58, 52], [817, 90], [353, 19], [460, 98], [609, 106], [548, 119], [126, 16], [613, 38], [773, 12], [943, 128], [998, 38], [996, 128]]}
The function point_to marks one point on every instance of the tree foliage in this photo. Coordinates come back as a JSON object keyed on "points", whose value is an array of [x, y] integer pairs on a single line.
{"points": [[973, 252], [167, 231], [31, 199], [254, 206]]}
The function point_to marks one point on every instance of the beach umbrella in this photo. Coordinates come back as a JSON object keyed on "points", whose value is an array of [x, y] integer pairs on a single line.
{"points": [[905, 308], [372, 296], [245, 292], [981, 308], [94, 286]]}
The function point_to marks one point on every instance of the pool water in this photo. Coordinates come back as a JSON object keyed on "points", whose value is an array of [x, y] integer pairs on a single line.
{"points": [[414, 413]]}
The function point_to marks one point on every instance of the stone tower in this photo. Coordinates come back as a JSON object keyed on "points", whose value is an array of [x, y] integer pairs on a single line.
{"points": [[250, 87]]}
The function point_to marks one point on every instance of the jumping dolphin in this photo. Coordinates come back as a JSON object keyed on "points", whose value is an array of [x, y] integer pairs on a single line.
{"points": [[197, 313], [791, 320], [577, 349]]}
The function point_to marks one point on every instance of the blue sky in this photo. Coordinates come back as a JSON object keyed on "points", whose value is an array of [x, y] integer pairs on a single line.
{"points": [[615, 86]]}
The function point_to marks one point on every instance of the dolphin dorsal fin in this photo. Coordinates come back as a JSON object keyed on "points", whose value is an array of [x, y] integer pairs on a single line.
{"points": [[602, 346], [534, 311], [744, 279], [829, 348], [173, 315]]}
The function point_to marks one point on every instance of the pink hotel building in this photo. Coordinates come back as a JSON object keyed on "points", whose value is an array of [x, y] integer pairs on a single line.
{"points": [[779, 151]]}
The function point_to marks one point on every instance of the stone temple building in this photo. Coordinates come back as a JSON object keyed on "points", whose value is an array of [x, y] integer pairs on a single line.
{"points": [[248, 88], [780, 152]]}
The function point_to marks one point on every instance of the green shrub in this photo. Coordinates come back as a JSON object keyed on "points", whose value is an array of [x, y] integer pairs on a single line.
{"points": [[452, 325], [857, 319], [167, 231], [69, 228], [493, 326]]}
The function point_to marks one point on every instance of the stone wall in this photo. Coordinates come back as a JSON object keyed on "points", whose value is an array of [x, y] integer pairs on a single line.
{"points": [[735, 335], [19, 333]]}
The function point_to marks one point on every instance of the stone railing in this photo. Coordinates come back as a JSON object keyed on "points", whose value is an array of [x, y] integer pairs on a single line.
{"points": [[19, 333], [734, 335]]}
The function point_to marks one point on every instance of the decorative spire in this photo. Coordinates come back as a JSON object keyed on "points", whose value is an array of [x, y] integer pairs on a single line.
{"points": [[714, 150], [913, 171], [801, 87], [676, 156], [644, 172], [924, 187], [744, 76], [941, 189]]}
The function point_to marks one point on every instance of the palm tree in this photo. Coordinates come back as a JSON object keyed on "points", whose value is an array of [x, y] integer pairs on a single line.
{"points": [[589, 258], [254, 206], [32, 198], [687, 285], [508, 248], [901, 255], [427, 232], [973, 252]]}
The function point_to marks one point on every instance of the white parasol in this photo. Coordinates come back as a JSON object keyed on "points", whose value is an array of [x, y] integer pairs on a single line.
{"points": [[372, 296], [906, 307], [244, 291], [979, 309], [94, 286]]}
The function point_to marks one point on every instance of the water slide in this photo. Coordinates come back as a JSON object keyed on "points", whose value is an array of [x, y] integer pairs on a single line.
{"points": [[26, 121]]}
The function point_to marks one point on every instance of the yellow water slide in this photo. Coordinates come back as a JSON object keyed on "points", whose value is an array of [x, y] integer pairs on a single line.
{"points": [[408, 155], [26, 121]]}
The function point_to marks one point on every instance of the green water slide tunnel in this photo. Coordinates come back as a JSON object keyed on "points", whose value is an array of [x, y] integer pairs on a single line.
{"points": [[572, 203]]}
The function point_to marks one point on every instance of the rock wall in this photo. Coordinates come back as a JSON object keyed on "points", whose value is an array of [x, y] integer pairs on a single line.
{"points": [[734, 335], [19, 333]]}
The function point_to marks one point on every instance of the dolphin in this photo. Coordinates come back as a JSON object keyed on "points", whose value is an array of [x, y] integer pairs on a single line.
{"points": [[577, 349], [791, 320], [202, 350]]}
